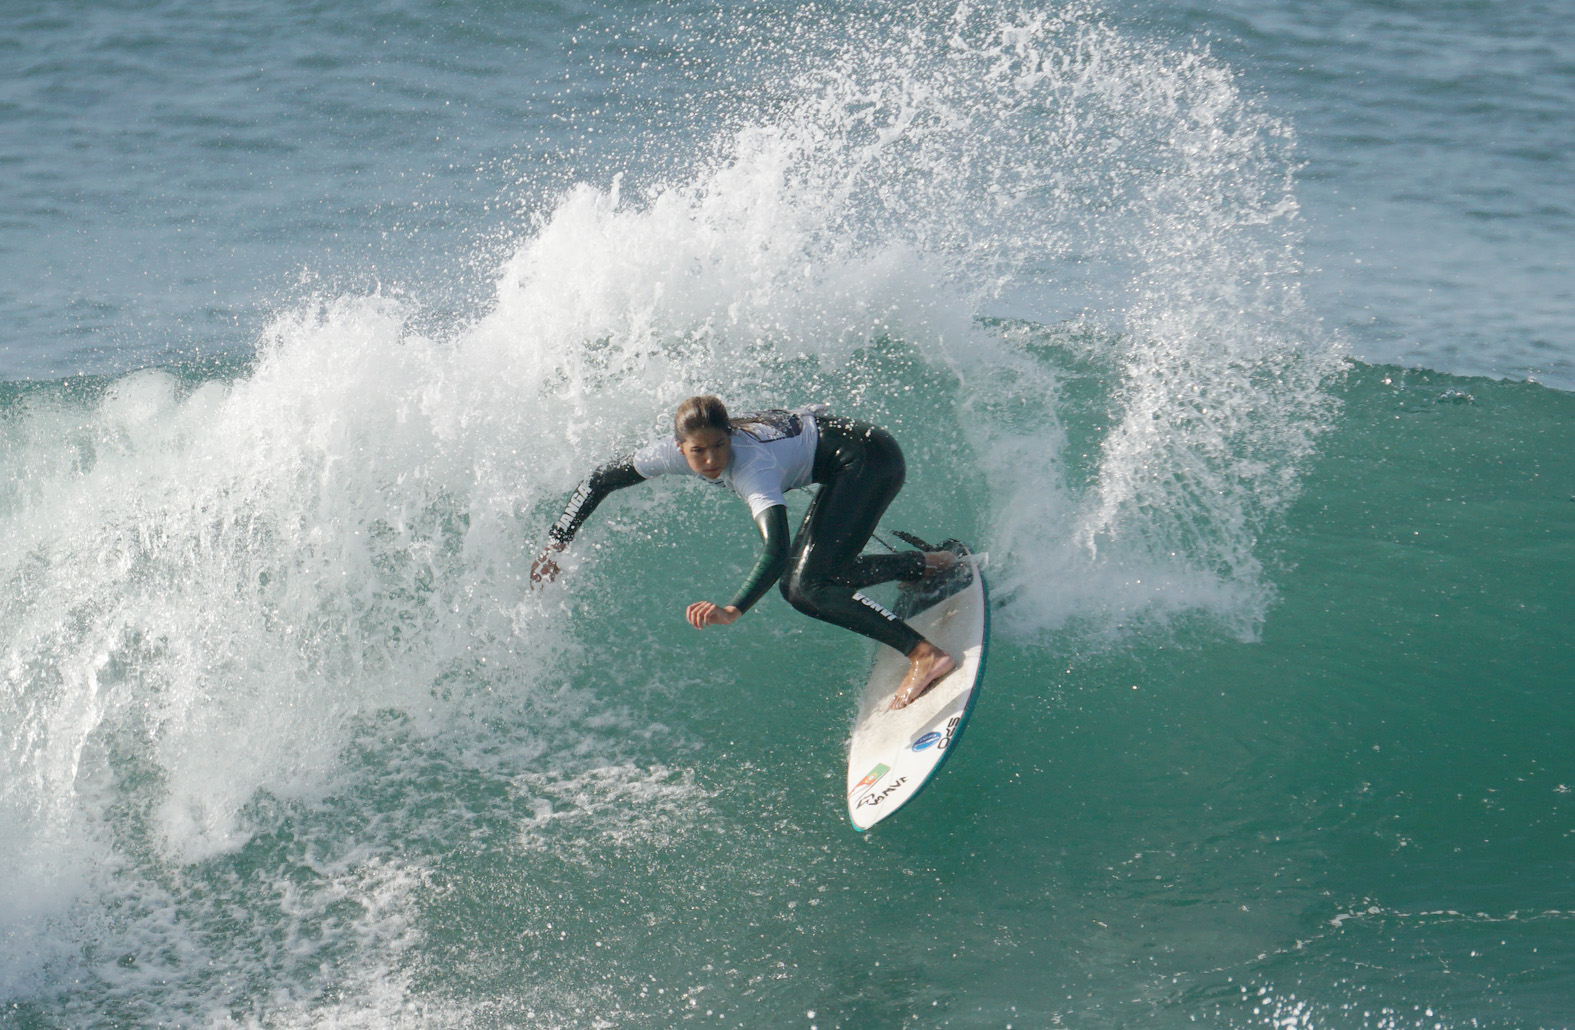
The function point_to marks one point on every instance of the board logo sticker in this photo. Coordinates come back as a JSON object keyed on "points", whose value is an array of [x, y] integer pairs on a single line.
{"points": [[877, 796], [870, 779], [926, 740]]}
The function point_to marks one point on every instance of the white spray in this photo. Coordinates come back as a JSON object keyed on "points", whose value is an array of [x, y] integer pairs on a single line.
{"points": [[208, 586]]}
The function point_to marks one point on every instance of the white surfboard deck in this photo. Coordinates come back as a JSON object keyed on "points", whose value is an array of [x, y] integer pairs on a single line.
{"points": [[894, 754]]}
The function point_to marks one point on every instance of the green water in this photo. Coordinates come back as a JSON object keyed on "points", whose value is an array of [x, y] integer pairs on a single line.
{"points": [[1367, 809], [1355, 818], [1358, 819]]}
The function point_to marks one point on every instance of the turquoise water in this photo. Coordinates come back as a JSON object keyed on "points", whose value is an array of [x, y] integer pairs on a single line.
{"points": [[316, 313]]}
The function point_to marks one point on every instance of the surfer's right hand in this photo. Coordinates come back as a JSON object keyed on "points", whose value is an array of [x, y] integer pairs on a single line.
{"points": [[544, 569]]}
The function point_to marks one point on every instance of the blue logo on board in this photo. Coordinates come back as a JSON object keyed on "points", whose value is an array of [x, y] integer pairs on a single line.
{"points": [[926, 741]]}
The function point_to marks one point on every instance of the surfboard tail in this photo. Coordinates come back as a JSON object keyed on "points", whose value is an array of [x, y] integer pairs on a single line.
{"points": [[919, 595]]}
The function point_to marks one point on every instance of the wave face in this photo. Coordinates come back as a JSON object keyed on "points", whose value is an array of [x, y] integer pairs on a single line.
{"points": [[291, 742]]}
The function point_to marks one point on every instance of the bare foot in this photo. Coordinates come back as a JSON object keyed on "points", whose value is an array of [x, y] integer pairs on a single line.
{"points": [[937, 562], [927, 666]]}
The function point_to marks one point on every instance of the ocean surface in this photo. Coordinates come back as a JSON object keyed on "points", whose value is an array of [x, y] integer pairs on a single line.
{"points": [[1241, 335]]}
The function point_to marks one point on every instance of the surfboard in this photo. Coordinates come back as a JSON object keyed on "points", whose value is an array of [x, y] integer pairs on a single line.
{"points": [[894, 755]]}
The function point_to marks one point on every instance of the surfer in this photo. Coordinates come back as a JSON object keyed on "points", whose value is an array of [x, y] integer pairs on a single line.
{"points": [[760, 456]]}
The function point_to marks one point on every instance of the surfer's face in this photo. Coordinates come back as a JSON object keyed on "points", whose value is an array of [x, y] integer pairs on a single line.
{"points": [[707, 451]]}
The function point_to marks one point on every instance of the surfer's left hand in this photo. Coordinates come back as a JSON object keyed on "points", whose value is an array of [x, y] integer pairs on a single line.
{"points": [[703, 613], [544, 570]]}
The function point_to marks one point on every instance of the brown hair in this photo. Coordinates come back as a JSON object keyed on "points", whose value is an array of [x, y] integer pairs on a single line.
{"points": [[699, 413]]}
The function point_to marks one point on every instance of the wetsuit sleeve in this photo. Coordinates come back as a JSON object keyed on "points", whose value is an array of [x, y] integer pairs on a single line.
{"points": [[614, 475], [773, 558]]}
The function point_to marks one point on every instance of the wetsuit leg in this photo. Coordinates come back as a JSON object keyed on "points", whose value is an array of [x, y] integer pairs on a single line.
{"points": [[860, 469], [870, 569]]}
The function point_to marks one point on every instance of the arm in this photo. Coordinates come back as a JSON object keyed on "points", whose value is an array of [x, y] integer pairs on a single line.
{"points": [[768, 568], [773, 558], [614, 475]]}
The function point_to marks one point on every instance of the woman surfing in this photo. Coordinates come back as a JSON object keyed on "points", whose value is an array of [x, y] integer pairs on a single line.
{"points": [[760, 456]]}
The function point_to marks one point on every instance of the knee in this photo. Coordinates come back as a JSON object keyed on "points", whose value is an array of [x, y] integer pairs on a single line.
{"points": [[798, 593]]}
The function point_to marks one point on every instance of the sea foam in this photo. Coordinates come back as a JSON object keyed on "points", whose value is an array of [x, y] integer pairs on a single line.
{"points": [[1071, 250]]}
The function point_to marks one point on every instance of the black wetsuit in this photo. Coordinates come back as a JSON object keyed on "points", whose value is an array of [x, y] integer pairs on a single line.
{"points": [[859, 468]]}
